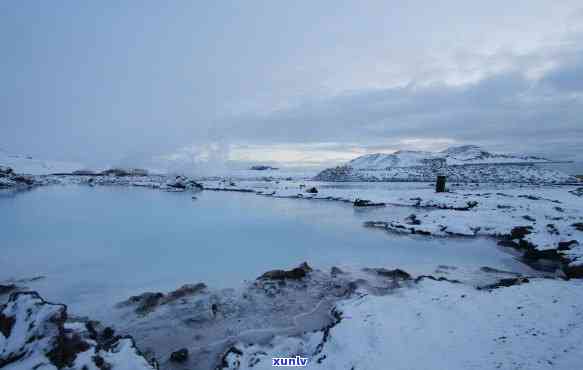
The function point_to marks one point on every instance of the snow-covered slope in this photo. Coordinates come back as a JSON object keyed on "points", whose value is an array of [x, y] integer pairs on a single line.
{"points": [[402, 158], [35, 334], [439, 325], [24, 164], [468, 163], [456, 155]]}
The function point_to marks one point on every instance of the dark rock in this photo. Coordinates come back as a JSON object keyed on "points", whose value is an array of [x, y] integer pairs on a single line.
{"points": [[546, 254], [5, 171], [6, 324], [5, 289], [366, 203], [185, 290], [108, 333], [574, 272], [312, 190], [262, 168], [508, 243], [520, 232], [412, 220], [528, 218], [179, 356], [441, 278], [100, 363], [24, 180], [563, 246], [492, 270], [294, 274], [578, 226], [505, 283], [184, 183], [552, 229], [65, 352], [146, 301], [393, 274]]}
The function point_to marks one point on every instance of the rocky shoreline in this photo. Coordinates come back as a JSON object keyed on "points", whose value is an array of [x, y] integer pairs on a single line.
{"points": [[281, 313]]}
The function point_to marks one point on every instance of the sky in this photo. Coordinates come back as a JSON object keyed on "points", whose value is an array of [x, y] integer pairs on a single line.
{"points": [[301, 83]]}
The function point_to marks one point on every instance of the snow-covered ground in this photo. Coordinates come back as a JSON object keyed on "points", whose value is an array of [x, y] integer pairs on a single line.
{"points": [[35, 334], [440, 325]]}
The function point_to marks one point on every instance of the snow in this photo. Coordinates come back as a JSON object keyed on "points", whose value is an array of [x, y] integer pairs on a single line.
{"points": [[34, 330], [467, 163], [457, 155], [439, 325]]}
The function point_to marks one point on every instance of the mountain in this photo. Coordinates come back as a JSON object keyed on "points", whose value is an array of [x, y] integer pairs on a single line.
{"points": [[467, 163], [456, 155]]}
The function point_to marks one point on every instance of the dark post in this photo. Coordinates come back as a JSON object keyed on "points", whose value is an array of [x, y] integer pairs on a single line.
{"points": [[440, 184]]}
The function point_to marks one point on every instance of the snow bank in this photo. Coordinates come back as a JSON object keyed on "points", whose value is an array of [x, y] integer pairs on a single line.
{"points": [[34, 335], [439, 325]]}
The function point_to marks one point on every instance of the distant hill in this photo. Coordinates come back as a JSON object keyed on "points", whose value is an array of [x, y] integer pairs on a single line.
{"points": [[456, 155], [467, 163]]}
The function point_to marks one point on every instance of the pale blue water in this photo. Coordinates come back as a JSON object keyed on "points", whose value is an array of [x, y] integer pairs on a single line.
{"points": [[99, 245]]}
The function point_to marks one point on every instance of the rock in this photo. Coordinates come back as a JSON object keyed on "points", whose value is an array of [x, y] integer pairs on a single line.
{"points": [[334, 271], [520, 232], [184, 183], [24, 180], [146, 302], [441, 278], [566, 245], [5, 289], [35, 336], [578, 226], [492, 270], [262, 168], [393, 274], [505, 283], [412, 220], [312, 190], [574, 272], [183, 291], [366, 203], [6, 171], [179, 356], [149, 301], [294, 274], [108, 333]]}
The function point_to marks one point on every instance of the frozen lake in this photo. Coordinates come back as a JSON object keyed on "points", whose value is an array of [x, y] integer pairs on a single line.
{"points": [[96, 246]]}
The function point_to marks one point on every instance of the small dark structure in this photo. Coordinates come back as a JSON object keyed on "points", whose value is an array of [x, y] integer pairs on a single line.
{"points": [[440, 184]]}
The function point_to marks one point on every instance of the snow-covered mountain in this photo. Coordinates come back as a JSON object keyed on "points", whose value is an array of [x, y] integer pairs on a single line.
{"points": [[24, 164], [468, 163], [456, 155]]}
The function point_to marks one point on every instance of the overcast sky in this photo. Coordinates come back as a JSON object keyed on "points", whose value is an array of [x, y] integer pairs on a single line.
{"points": [[297, 82]]}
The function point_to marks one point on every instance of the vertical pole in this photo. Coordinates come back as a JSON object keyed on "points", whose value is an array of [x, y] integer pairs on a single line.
{"points": [[440, 184]]}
